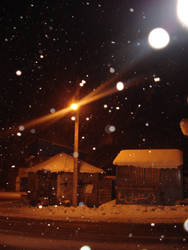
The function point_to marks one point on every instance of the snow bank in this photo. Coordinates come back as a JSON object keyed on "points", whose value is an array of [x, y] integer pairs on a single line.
{"points": [[109, 212]]}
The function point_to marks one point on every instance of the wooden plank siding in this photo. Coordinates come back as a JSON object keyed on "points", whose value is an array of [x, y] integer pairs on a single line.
{"points": [[93, 189], [148, 185], [136, 176], [104, 190]]}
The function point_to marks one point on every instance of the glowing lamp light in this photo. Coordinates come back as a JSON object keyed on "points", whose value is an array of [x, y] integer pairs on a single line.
{"points": [[74, 106], [158, 38], [182, 11]]}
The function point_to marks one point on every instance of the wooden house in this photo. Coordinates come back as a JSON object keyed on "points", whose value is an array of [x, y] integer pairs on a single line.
{"points": [[149, 176], [52, 182]]}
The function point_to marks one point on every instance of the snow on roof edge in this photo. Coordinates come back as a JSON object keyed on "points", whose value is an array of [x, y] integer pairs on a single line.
{"points": [[64, 163], [156, 158]]}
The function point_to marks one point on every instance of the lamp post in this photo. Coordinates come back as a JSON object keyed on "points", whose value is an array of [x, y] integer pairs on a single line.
{"points": [[75, 107]]}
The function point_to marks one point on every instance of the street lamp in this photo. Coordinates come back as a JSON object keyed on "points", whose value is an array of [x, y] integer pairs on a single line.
{"points": [[75, 107]]}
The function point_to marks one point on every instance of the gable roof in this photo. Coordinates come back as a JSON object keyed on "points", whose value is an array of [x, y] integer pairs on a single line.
{"points": [[145, 158], [64, 163]]}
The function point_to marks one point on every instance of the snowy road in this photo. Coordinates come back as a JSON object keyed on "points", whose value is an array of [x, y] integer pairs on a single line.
{"points": [[49, 234]]}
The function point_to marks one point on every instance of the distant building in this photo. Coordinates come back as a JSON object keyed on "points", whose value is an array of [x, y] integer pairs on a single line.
{"points": [[149, 176], [52, 180]]}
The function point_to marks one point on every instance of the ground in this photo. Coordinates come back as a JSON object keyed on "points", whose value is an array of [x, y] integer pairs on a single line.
{"points": [[110, 212]]}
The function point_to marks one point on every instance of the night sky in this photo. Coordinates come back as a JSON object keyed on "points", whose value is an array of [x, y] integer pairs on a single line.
{"points": [[47, 48]]}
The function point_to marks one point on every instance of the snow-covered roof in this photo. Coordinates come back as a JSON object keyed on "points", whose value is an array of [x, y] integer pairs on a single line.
{"points": [[145, 158], [64, 163]]}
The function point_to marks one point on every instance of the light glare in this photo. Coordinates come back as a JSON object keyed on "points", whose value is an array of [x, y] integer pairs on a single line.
{"points": [[158, 38], [182, 11], [74, 106]]}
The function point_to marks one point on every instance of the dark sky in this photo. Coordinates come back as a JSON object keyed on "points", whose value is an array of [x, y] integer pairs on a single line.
{"points": [[57, 44]]}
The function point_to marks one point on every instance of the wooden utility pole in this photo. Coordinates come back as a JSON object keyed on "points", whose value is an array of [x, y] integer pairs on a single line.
{"points": [[75, 155]]}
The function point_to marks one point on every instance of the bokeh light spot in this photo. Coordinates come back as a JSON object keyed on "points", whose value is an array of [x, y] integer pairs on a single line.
{"points": [[18, 73], [158, 38], [85, 247], [75, 154], [185, 225], [120, 86], [110, 129]]}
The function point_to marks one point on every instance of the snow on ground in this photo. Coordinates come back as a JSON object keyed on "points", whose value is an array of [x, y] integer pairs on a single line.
{"points": [[108, 212]]}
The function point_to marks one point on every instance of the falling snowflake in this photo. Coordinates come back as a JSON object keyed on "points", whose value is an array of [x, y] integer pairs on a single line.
{"points": [[120, 86], [73, 118], [52, 110], [21, 128], [157, 79], [131, 10], [112, 70], [18, 72]]}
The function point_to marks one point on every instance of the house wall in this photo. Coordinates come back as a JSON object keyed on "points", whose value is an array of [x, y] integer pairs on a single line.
{"points": [[87, 188], [105, 190], [135, 185], [93, 189], [64, 187], [42, 185], [171, 185]]}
